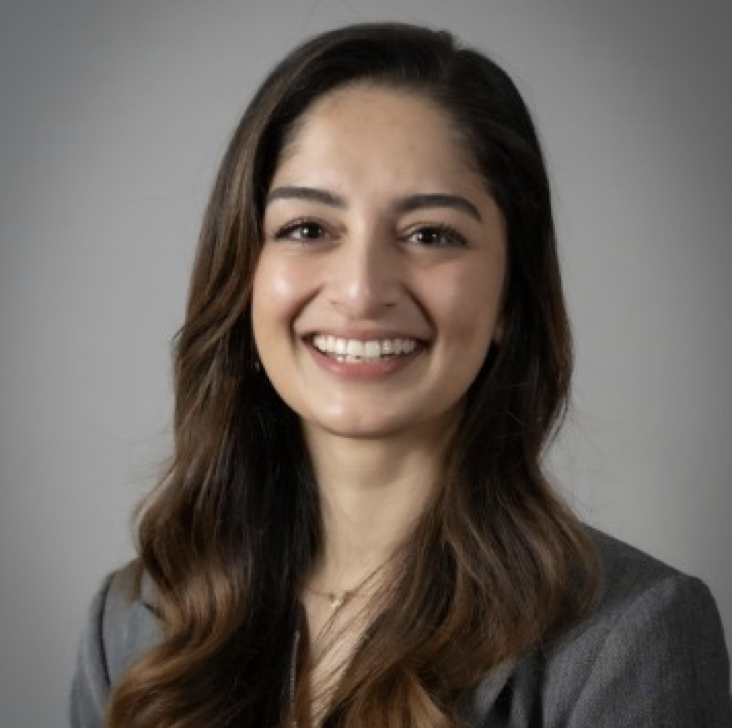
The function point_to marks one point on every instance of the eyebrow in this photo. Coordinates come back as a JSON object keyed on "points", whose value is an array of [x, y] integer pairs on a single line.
{"points": [[426, 201], [406, 204], [310, 194]]}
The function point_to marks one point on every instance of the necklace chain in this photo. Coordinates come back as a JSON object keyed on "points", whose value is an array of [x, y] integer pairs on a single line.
{"points": [[336, 600]]}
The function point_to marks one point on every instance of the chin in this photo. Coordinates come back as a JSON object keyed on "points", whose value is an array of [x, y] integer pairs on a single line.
{"points": [[358, 431], [380, 426], [359, 424]]}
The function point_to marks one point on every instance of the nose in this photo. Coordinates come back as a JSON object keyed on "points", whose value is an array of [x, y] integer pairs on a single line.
{"points": [[364, 279]]}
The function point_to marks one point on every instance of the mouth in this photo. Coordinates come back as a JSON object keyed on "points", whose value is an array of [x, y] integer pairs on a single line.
{"points": [[357, 351]]}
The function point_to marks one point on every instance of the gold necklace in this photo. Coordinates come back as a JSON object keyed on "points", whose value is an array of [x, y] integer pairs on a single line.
{"points": [[337, 600]]}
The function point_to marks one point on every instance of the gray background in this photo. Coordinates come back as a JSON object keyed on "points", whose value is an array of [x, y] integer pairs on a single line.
{"points": [[113, 118]]}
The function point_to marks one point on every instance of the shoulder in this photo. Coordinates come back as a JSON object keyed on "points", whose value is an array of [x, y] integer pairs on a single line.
{"points": [[638, 591], [650, 653], [129, 622], [121, 625], [633, 580]]}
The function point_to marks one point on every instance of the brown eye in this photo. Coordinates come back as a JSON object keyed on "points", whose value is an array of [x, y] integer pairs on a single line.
{"points": [[437, 236], [301, 230]]}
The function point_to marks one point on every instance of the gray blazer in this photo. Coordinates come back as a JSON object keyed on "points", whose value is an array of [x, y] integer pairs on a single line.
{"points": [[651, 655]]}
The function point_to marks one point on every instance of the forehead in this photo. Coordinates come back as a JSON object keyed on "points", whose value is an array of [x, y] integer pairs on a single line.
{"points": [[361, 125]]}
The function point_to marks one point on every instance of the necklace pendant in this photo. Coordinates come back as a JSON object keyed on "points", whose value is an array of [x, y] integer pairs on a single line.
{"points": [[336, 601]]}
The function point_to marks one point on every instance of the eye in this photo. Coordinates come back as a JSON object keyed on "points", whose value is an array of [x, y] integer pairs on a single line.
{"points": [[437, 236], [303, 231]]}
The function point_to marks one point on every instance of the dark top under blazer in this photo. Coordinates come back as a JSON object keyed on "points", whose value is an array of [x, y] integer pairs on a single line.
{"points": [[651, 655]]}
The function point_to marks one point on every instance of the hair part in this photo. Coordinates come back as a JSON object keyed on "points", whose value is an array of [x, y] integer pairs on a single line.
{"points": [[495, 567]]}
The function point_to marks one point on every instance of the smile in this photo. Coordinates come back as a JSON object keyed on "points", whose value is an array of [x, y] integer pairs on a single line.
{"points": [[355, 350]]}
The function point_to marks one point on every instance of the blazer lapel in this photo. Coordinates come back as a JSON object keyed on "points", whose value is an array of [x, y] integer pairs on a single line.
{"points": [[476, 704]]}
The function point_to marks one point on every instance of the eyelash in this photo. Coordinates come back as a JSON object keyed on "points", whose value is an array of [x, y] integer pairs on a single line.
{"points": [[449, 236], [289, 230]]}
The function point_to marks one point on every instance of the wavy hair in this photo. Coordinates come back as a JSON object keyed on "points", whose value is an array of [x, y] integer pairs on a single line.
{"points": [[495, 567]]}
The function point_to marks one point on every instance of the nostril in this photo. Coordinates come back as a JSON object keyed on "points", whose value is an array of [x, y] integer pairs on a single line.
{"points": [[364, 277], [362, 298]]}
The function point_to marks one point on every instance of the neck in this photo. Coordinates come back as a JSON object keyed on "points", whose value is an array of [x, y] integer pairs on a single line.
{"points": [[372, 492]]}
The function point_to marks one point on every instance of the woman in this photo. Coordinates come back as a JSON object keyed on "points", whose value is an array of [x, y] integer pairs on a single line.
{"points": [[355, 529]]}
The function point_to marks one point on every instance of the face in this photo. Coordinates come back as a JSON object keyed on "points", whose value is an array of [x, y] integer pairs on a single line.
{"points": [[377, 293]]}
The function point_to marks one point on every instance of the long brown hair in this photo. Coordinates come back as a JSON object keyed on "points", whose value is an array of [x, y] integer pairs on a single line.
{"points": [[495, 567]]}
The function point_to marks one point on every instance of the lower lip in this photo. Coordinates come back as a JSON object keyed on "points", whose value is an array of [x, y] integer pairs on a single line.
{"points": [[364, 370]]}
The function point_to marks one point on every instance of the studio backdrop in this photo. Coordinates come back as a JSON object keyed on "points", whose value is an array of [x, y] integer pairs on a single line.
{"points": [[113, 117]]}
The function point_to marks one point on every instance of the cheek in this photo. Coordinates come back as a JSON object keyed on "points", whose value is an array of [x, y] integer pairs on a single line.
{"points": [[270, 306], [278, 292], [469, 308], [273, 282]]}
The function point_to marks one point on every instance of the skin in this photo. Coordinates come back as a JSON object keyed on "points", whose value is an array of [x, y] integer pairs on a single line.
{"points": [[363, 258]]}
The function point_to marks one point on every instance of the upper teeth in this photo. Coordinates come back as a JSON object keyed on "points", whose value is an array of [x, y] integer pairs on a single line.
{"points": [[363, 349]]}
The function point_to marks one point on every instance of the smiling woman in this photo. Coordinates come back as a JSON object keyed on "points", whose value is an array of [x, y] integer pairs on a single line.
{"points": [[355, 529], [378, 288]]}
